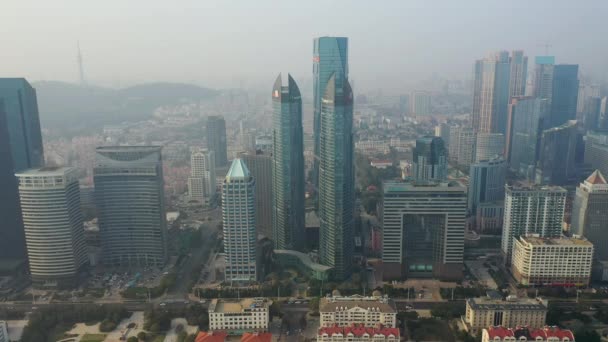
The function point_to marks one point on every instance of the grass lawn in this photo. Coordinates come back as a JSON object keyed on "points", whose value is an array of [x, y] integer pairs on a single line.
{"points": [[93, 338]]}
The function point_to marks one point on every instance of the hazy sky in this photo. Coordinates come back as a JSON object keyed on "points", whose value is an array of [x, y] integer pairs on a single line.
{"points": [[227, 43]]}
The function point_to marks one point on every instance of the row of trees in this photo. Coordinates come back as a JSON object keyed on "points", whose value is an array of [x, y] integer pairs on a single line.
{"points": [[166, 283]]}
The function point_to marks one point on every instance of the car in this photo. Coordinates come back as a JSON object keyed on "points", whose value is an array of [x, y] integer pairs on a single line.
{"points": [[203, 301], [163, 304], [290, 302], [298, 302], [408, 307]]}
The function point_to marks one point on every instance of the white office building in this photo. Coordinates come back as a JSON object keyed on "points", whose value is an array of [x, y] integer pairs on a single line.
{"points": [[239, 315], [53, 223], [238, 214], [531, 210], [552, 261], [201, 183]]}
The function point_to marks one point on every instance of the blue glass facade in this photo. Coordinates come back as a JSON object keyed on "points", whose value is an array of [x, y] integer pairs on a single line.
{"points": [[287, 166], [330, 57], [565, 94], [527, 116], [336, 178]]}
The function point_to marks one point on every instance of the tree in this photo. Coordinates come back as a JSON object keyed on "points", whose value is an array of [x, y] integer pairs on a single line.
{"points": [[181, 337], [587, 335], [313, 305], [132, 339], [142, 336]]}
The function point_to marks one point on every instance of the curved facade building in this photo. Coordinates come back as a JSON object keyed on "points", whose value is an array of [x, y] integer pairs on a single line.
{"points": [[130, 200], [54, 233], [336, 178], [287, 166]]}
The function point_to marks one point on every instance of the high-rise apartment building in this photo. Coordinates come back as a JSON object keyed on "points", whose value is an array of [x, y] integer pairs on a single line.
{"points": [[462, 146], [201, 183], [596, 150], [287, 166], [531, 210], [443, 131], [486, 183], [216, 139], [603, 119], [518, 74], [586, 91], [543, 78], [489, 146], [430, 159], [336, 178], [589, 213], [130, 200], [423, 234], [259, 164], [565, 94], [526, 117], [330, 58], [50, 202], [238, 215], [591, 114], [420, 103], [556, 155], [491, 93], [20, 149]]}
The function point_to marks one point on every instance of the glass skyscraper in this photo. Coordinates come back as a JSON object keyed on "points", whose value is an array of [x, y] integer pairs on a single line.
{"points": [[130, 199], [430, 159], [20, 149], [330, 57], [216, 139], [287, 166], [336, 177], [491, 93], [565, 94]]}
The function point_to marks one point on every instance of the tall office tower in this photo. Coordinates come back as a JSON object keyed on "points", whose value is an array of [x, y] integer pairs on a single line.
{"points": [[201, 183], [423, 232], [443, 131], [50, 201], [486, 183], [330, 58], [531, 210], [130, 202], [591, 114], [336, 178], [491, 93], [216, 139], [462, 146], [585, 92], [526, 117], [430, 159], [543, 77], [519, 73], [555, 165], [603, 119], [565, 94], [287, 166], [20, 149], [420, 103], [489, 145], [259, 164], [238, 214], [589, 214], [596, 150]]}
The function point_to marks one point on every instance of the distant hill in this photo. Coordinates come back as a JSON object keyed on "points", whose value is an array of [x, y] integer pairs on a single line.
{"points": [[71, 108]]}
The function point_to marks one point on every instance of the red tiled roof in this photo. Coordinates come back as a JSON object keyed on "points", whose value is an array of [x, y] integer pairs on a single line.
{"points": [[256, 337], [359, 330], [534, 333], [596, 178], [559, 333], [501, 332], [218, 336]]}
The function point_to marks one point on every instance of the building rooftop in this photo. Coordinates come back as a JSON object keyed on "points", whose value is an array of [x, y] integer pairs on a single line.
{"points": [[256, 337], [305, 259], [46, 171], [394, 187], [212, 336], [596, 178], [512, 303], [238, 305], [238, 171], [560, 241], [358, 330], [338, 303], [530, 333]]}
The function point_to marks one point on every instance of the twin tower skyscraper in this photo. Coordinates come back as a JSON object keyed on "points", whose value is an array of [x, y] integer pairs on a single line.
{"points": [[333, 170]]}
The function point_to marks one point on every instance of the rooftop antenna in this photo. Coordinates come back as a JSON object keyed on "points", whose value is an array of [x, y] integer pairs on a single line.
{"points": [[80, 67], [545, 45]]}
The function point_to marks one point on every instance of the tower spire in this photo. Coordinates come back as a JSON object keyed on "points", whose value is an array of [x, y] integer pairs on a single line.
{"points": [[80, 67]]}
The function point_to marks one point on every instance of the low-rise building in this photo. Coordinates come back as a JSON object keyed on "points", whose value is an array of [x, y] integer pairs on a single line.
{"points": [[366, 311], [256, 337], [303, 263], [217, 336], [486, 312], [525, 334], [237, 316], [552, 261], [357, 333]]}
